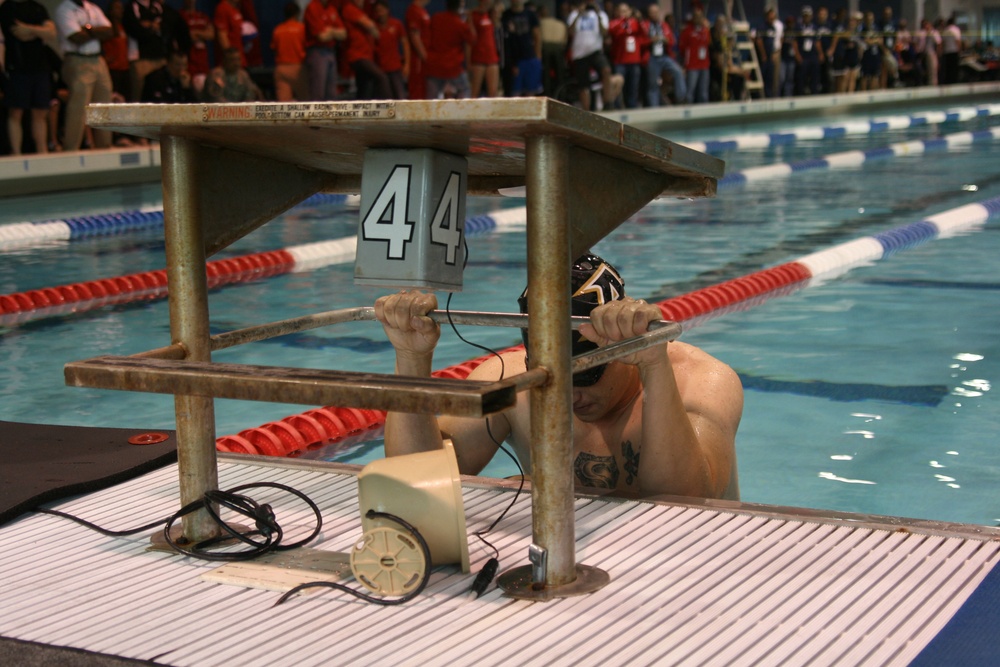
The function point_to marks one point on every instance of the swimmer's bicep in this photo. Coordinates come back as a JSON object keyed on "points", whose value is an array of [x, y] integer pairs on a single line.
{"points": [[474, 446], [475, 443]]}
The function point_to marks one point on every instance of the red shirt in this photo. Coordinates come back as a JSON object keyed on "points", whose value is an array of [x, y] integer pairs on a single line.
{"points": [[317, 19], [229, 21], [666, 48], [418, 21], [115, 51], [289, 42], [360, 45], [627, 40], [198, 56], [390, 38], [446, 52], [694, 47], [484, 51]]}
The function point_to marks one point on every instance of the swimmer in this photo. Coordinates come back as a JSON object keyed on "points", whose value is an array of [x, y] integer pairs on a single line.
{"points": [[661, 421]]}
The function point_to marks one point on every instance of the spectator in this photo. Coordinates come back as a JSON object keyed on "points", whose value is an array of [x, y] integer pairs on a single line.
{"points": [[249, 42], [661, 41], [418, 29], [927, 44], [809, 55], [769, 39], [170, 83], [450, 39], [890, 66], [588, 27], [228, 22], [627, 42], [728, 79], [230, 82], [845, 54], [951, 49], [28, 34], [789, 50], [157, 30], [695, 42], [871, 58], [484, 61], [555, 35], [82, 25], [371, 81], [393, 50], [115, 49], [522, 51], [323, 29], [824, 38], [202, 34], [289, 45], [909, 66]]}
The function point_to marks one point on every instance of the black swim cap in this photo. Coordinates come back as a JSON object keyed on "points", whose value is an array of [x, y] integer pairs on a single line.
{"points": [[594, 283]]}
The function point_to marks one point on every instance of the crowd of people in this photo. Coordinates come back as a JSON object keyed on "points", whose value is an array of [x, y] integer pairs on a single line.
{"points": [[594, 54]]}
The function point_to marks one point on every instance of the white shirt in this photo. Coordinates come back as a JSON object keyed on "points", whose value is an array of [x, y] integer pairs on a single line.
{"points": [[70, 19], [951, 39], [587, 36]]}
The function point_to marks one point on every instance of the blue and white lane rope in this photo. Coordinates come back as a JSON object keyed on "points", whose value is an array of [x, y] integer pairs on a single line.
{"points": [[856, 158], [20, 234], [837, 260], [768, 140]]}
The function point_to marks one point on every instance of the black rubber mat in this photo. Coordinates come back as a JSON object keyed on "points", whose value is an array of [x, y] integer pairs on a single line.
{"points": [[41, 463]]}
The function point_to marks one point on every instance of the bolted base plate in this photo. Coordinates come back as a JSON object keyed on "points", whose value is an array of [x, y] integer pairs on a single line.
{"points": [[517, 583], [157, 542]]}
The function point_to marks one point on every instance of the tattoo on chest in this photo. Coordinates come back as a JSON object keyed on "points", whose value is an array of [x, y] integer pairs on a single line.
{"points": [[630, 461], [597, 471]]}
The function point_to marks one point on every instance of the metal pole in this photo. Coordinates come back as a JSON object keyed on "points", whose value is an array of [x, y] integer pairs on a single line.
{"points": [[547, 180], [185, 254]]}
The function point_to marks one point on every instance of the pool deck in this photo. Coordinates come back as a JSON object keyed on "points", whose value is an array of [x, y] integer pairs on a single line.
{"points": [[692, 582], [705, 582]]}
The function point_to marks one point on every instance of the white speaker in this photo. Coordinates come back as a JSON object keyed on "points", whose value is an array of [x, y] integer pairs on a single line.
{"points": [[425, 490]]}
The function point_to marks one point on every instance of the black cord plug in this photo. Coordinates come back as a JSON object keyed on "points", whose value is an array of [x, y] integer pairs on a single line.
{"points": [[266, 522], [485, 576]]}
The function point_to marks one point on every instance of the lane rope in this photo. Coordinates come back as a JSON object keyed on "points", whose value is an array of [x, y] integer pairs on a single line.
{"points": [[20, 234], [814, 133], [292, 436], [147, 286]]}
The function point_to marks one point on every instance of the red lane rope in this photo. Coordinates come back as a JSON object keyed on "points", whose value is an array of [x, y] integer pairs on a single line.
{"points": [[148, 285], [293, 435]]}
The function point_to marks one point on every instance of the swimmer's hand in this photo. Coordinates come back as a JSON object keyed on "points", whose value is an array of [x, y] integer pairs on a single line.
{"points": [[404, 319], [622, 319]]}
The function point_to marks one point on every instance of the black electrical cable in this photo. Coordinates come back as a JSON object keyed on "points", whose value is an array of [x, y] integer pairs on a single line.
{"points": [[485, 576], [262, 514], [372, 514]]}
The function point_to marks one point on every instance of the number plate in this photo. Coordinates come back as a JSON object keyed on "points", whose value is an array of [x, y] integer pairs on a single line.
{"points": [[412, 223]]}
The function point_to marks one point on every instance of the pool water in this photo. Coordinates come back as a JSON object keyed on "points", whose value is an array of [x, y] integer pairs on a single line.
{"points": [[869, 393]]}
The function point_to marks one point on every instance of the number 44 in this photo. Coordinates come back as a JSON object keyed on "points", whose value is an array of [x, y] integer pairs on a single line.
{"points": [[386, 219]]}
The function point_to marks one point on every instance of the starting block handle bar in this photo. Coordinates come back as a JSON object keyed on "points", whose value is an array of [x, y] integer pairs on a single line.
{"points": [[464, 317]]}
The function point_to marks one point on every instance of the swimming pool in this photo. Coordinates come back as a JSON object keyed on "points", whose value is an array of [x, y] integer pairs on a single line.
{"points": [[871, 393]]}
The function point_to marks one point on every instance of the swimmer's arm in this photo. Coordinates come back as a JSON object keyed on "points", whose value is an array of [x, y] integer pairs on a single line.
{"points": [[414, 336], [688, 444], [474, 441], [407, 433]]}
